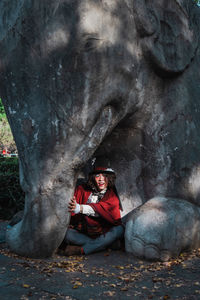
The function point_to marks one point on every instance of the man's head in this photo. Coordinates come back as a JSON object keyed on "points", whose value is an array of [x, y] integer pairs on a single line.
{"points": [[101, 181], [101, 178]]}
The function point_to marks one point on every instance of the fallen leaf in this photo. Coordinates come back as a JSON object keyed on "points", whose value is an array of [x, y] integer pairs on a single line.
{"points": [[26, 285], [124, 289], [109, 293], [120, 267], [78, 283]]}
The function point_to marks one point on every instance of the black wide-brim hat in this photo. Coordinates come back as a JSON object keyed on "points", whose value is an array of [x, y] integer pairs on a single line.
{"points": [[102, 170]]}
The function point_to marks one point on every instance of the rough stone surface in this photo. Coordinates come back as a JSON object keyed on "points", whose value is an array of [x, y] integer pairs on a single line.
{"points": [[162, 228], [108, 79]]}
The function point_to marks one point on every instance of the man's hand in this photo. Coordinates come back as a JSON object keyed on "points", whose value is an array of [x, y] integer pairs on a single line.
{"points": [[72, 204]]}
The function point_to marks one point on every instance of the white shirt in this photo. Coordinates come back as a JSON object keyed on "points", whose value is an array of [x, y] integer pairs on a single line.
{"points": [[87, 209]]}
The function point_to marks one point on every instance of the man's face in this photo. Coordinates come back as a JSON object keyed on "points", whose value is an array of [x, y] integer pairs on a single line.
{"points": [[101, 181]]}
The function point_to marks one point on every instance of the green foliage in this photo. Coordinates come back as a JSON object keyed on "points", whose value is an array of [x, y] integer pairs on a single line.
{"points": [[11, 194], [197, 2], [1, 107], [2, 111], [6, 137]]}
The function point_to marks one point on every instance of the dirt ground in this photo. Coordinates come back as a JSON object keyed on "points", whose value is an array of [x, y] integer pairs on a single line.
{"points": [[104, 275]]}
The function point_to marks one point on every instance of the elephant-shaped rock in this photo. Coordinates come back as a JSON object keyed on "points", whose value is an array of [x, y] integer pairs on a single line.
{"points": [[111, 79], [161, 229]]}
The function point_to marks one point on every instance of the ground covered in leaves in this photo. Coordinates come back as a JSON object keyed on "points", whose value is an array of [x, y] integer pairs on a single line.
{"points": [[105, 275]]}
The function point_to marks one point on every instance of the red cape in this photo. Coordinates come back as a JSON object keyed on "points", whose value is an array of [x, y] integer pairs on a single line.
{"points": [[108, 210]]}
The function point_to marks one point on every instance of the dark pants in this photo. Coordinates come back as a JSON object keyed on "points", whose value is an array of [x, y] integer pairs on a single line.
{"points": [[94, 245]]}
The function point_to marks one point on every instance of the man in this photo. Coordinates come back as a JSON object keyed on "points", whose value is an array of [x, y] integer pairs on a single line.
{"points": [[95, 209]]}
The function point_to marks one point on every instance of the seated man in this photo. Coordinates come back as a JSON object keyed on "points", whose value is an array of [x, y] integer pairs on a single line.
{"points": [[95, 221]]}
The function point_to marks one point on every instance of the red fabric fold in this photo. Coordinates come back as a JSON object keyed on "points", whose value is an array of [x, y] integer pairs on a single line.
{"points": [[108, 209]]}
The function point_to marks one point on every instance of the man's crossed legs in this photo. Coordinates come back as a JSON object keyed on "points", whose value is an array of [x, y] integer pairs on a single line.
{"points": [[89, 245]]}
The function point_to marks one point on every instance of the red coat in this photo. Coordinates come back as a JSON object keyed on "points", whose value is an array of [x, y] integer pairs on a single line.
{"points": [[108, 210]]}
